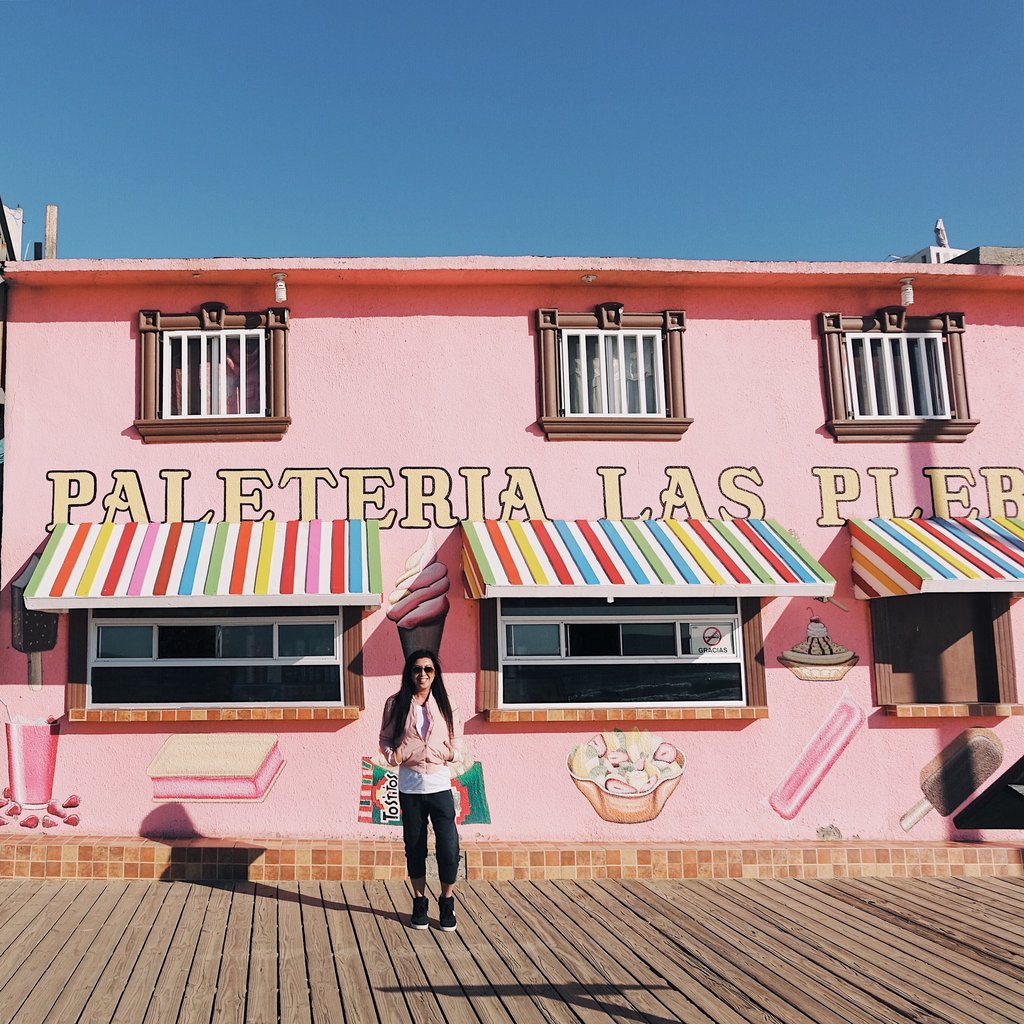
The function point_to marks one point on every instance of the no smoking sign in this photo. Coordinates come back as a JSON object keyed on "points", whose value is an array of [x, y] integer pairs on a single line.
{"points": [[712, 636]]}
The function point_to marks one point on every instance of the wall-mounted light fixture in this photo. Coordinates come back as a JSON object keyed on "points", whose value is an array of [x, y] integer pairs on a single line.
{"points": [[906, 291], [588, 278], [280, 290]]}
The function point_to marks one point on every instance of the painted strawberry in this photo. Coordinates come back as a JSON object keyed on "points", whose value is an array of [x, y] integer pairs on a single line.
{"points": [[665, 753], [3, 803], [30, 822], [614, 785], [49, 822], [72, 820], [52, 808], [13, 811], [4, 821], [72, 801], [7, 792]]}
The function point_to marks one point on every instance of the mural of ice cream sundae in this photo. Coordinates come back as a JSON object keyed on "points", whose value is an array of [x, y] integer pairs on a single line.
{"points": [[419, 603], [818, 657], [627, 777]]}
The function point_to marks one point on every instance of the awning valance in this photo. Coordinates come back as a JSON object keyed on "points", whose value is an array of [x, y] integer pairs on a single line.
{"points": [[926, 556], [190, 564], [644, 557]]}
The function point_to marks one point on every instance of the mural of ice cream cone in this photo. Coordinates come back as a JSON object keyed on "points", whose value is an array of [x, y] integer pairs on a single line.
{"points": [[419, 603]]}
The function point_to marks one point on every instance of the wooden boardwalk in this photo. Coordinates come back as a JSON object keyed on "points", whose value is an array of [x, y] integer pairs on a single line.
{"points": [[849, 951]]}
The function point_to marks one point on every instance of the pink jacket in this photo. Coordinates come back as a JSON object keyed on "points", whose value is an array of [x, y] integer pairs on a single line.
{"points": [[413, 751]]}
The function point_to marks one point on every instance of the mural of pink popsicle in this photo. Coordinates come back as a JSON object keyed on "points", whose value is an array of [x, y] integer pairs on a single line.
{"points": [[818, 757], [419, 603]]}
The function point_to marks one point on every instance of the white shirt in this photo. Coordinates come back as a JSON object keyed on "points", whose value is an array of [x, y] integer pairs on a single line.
{"points": [[410, 781]]}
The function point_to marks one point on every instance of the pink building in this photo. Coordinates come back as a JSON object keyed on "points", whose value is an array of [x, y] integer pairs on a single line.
{"points": [[710, 551]]}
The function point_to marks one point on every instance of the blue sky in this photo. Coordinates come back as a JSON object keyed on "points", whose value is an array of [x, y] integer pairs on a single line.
{"points": [[734, 129]]}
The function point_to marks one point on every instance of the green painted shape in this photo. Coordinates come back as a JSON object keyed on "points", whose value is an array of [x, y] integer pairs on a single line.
{"points": [[879, 537], [486, 573], [373, 556], [220, 539], [811, 564], [45, 559], [633, 529], [741, 551]]}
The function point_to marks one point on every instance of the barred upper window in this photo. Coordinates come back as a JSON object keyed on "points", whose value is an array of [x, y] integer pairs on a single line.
{"points": [[610, 375], [213, 375], [894, 377]]}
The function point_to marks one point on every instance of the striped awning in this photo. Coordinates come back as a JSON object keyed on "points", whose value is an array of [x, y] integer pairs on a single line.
{"points": [[646, 557], [93, 565], [928, 556]]}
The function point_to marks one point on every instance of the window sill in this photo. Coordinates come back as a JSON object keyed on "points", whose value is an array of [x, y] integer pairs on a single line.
{"points": [[953, 710], [110, 716], [614, 428], [624, 714], [901, 431], [213, 428]]}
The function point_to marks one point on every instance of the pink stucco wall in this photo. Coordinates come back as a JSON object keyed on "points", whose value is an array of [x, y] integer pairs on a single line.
{"points": [[388, 370]]}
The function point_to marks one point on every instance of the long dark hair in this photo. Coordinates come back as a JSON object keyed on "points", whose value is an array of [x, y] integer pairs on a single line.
{"points": [[403, 700]]}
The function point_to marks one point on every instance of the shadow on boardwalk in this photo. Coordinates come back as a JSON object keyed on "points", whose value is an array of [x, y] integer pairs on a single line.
{"points": [[854, 951]]}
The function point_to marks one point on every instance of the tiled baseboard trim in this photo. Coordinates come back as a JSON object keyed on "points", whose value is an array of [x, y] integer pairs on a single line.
{"points": [[292, 860]]}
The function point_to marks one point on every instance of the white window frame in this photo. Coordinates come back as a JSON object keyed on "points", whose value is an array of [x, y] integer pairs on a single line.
{"points": [[611, 347], [95, 624], [896, 369], [211, 348], [736, 656]]}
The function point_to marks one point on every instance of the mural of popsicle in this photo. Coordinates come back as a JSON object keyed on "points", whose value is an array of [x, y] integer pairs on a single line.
{"points": [[960, 768], [817, 758]]}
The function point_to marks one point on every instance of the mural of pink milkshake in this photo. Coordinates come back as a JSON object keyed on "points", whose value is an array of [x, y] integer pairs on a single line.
{"points": [[419, 603], [31, 760]]}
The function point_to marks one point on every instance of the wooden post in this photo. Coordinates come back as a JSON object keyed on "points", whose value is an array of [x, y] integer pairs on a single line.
{"points": [[50, 238]]}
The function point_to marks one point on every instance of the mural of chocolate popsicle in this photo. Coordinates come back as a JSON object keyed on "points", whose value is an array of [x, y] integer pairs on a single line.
{"points": [[959, 769], [419, 603]]}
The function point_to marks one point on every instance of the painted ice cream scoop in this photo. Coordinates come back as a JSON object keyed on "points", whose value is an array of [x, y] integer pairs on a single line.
{"points": [[419, 603], [959, 769], [818, 656]]}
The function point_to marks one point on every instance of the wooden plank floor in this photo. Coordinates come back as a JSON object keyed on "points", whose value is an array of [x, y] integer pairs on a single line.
{"points": [[848, 951]]}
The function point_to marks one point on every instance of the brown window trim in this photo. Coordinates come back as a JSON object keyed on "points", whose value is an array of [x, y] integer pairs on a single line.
{"points": [[1006, 674], [609, 316], [894, 320], [212, 316], [76, 691], [753, 663]]}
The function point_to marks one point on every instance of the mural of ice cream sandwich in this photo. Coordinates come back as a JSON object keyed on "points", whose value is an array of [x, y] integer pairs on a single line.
{"points": [[419, 603], [960, 768], [818, 658], [216, 767]]}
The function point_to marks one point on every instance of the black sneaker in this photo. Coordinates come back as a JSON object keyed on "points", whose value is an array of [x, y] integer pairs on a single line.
{"points": [[419, 912], [447, 915]]}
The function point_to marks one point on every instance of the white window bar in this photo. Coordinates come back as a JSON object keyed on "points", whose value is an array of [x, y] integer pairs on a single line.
{"points": [[597, 371], [896, 376], [203, 358]]}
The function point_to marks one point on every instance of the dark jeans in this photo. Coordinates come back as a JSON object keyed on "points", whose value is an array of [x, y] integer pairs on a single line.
{"points": [[440, 809]]}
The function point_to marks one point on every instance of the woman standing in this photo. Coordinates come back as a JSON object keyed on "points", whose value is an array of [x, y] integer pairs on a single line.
{"points": [[418, 734]]}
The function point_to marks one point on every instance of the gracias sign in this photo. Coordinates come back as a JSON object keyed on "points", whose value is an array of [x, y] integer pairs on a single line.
{"points": [[419, 497]]}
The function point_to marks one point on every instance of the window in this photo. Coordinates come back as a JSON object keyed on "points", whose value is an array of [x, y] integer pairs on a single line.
{"points": [[633, 653], [943, 649], [213, 375], [610, 375], [894, 377], [215, 657]]}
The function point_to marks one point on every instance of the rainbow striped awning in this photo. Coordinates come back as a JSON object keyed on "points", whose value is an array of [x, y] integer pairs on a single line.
{"points": [[647, 557], [93, 565], [927, 556]]}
